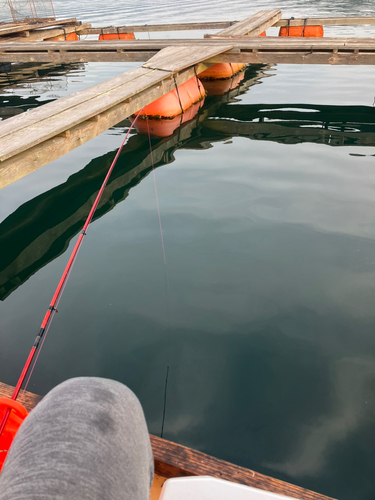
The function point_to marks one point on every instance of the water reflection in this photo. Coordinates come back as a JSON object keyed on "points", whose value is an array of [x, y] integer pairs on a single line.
{"points": [[40, 230]]}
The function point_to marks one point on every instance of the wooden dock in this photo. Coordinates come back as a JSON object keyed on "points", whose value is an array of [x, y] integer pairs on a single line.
{"points": [[32, 139], [174, 460]]}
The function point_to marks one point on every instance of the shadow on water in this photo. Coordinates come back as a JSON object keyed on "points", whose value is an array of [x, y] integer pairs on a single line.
{"points": [[41, 229]]}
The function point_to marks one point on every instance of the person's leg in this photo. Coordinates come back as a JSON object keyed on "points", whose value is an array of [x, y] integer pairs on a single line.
{"points": [[87, 439]]}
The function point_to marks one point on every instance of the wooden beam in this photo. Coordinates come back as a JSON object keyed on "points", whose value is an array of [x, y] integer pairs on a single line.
{"points": [[175, 59], [175, 460], [45, 34], [42, 129], [327, 21], [17, 28], [146, 28], [252, 26]]}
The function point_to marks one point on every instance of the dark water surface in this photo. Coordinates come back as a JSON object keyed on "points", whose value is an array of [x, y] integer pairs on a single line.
{"points": [[268, 210]]}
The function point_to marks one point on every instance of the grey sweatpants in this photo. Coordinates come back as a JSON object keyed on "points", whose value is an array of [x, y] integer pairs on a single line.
{"points": [[87, 439]]}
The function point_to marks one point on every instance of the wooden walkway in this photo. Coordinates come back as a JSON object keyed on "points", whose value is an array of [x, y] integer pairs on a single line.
{"points": [[174, 460], [39, 136], [256, 50]]}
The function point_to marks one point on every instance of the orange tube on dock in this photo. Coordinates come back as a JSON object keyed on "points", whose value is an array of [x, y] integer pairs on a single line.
{"points": [[220, 87], [302, 31], [174, 103], [166, 127], [117, 36], [71, 37], [222, 71]]}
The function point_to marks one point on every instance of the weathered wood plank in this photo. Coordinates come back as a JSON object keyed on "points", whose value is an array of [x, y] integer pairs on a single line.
{"points": [[327, 21], [145, 28], [30, 147], [181, 57], [243, 42], [17, 28], [269, 57], [48, 33], [63, 57], [28, 399], [253, 25], [174, 460]]}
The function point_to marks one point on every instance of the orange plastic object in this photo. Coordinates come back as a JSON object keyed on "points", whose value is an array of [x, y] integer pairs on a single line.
{"points": [[17, 416], [263, 34], [168, 106], [302, 31], [166, 127], [221, 71], [71, 37], [117, 36], [220, 87]]}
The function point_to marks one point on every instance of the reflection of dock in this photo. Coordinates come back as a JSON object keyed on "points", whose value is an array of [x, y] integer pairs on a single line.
{"points": [[30, 239], [297, 123]]}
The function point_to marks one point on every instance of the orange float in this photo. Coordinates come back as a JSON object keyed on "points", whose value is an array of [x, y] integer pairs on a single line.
{"points": [[166, 127], [16, 417], [117, 36], [302, 31], [71, 37], [222, 71], [263, 34], [174, 103]]}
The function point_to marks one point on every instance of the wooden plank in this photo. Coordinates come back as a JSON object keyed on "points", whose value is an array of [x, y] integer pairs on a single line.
{"points": [[327, 21], [145, 28], [269, 57], [182, 57], [242, 42], [63, 57], [253, 25], [29, 26], [49, 33], [175, 460], [111, 108], [28, 399]]}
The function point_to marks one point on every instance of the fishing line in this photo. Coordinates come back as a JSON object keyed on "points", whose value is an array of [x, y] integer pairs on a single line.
{"points": [[62, 283], [167, 292]]}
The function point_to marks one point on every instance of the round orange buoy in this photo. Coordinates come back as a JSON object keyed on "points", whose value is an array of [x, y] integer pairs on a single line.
{"points": [[71, 37], [222, 71], [166, 127], [117, 36], [302, 31], [170, 104], [17, 416]]}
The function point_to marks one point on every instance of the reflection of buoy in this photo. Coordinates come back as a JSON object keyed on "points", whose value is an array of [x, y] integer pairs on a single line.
{"points": [[219, 87], [117, 36], [176, 101], [221, 71], [71, 37], [166, 127], [302, 31], [16, 417]]}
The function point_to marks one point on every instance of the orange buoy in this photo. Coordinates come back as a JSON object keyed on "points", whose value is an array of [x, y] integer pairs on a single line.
{"points": [[263, 34], [302, 31], [16, 417], [174, 103], [222, 71], [166, 127], [117, 36], [220, 87], [71, 37]]}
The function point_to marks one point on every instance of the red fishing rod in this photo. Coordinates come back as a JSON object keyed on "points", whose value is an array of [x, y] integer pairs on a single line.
{"points": [[60, 287]]}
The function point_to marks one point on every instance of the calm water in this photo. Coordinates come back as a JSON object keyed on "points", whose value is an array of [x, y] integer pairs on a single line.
{"points": [[268, 211]]}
